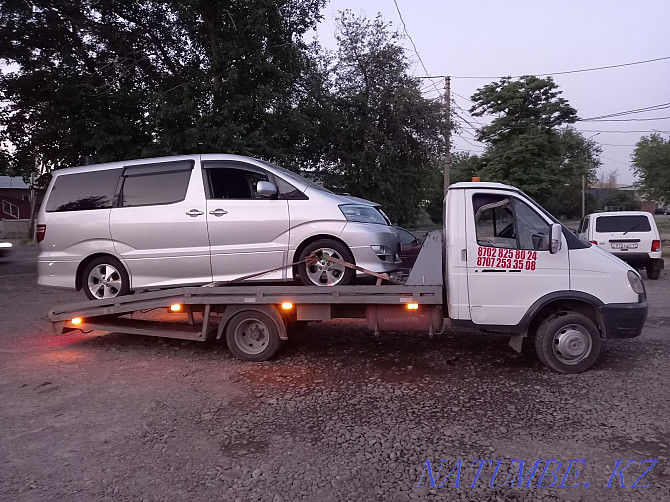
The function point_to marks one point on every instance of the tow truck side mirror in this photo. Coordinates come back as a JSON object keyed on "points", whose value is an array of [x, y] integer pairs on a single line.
{"points": [[556, 233]]}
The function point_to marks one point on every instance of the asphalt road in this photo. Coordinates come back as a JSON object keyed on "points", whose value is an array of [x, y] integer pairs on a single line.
{"points": [[18, 262], [338, 415]]}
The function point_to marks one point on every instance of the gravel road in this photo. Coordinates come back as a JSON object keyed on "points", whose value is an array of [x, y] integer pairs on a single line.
{"points": [[339, 415]]}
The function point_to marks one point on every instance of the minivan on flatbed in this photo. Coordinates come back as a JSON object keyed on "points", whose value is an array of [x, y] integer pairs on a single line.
{"points": [[119, 227]]}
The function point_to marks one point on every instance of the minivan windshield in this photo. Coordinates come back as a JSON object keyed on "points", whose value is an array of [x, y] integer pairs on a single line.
{"points": [[623, 223], [296, 177]]}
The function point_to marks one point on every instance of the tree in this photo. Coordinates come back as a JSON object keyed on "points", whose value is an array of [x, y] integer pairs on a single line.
{"points": [[651, 162], [119, 79], [464, 167], [387, 138], [530, 145], [520, 106]]}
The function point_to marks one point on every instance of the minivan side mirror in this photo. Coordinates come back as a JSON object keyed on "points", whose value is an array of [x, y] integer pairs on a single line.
{"points": [[266, 189], [556, 234]]}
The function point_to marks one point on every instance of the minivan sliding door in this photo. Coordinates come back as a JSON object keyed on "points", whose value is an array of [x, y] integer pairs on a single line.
{"points": [[159, 225]]}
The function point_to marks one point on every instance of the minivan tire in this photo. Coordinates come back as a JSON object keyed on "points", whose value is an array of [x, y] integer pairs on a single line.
{"points": [[653, 273], [326, 273], [568, 342], [105, 277]]}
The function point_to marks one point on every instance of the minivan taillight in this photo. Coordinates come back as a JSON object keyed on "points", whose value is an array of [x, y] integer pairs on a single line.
{"points": [[40, 232], [594, 242], [655, 246]]}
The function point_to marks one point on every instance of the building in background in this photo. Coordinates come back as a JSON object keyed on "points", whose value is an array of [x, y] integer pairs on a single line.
{"points": [[15, 207], [14, 198]]}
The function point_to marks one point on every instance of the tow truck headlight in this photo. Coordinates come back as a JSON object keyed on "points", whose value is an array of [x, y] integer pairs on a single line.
{"points": [[635, 282], [362, 214]]}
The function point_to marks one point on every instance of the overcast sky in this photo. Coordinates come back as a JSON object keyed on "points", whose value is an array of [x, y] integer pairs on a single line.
{"points": [[497, 38]]}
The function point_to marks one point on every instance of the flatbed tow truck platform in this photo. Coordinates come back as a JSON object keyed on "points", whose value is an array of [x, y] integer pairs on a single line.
{"points": [[253, 318]]}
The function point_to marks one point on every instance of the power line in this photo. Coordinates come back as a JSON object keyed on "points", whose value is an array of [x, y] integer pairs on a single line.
{"points": [[469, 114], [463, 97], [614, 160], [552, 73], [404, 26], [623, 120], [619, 131], [468, 142], [652, 108]]}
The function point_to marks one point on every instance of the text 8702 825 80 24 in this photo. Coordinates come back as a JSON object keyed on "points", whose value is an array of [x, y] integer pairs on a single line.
{"points": [[515, 259]]}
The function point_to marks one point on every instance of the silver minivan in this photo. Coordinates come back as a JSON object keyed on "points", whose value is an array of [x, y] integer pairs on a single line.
{"points": [[141, 224]]}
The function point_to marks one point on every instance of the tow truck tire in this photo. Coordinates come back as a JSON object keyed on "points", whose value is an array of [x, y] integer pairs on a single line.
{"points": [[567, 342], [105, 277], [252, 336], [652, 273], [325, 273]]}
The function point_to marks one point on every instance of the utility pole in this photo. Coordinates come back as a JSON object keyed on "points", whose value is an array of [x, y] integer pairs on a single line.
{"points": [[583, 196], [588, 162], [447, 161]]}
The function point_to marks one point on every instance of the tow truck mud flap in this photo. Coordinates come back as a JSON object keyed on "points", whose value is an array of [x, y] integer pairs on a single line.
{"points": [[400, 318]]}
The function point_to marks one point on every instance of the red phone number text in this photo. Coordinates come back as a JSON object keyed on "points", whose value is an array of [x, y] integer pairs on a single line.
{"points": [[515, 259]]}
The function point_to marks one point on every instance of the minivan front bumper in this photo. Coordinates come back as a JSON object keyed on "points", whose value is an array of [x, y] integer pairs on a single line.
{"points": [[366, 241], [624, 320]]}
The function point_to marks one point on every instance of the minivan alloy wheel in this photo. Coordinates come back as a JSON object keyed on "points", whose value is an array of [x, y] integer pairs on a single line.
{"points": [[105, 277], [324, 272], [104, 281]]}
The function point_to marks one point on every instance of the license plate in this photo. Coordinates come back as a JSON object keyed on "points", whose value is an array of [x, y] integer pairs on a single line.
{"points": [[624, 245]]}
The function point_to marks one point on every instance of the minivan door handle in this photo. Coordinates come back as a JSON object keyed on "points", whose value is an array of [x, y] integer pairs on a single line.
{"points": [[194, 213], [218, 212]]}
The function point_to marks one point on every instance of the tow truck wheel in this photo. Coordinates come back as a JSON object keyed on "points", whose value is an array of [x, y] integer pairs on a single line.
{"points": [[567, 342], [252, 336], [324, 272], [105, 277]]}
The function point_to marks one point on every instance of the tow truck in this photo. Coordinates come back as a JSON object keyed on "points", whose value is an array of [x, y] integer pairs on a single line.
{"points": [[501, 264]]}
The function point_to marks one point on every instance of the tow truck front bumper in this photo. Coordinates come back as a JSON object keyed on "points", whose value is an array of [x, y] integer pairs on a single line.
{"points": [[624, 320]]}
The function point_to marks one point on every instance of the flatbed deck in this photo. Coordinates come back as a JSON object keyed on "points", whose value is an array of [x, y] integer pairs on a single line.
{"points": [[105, 314]]}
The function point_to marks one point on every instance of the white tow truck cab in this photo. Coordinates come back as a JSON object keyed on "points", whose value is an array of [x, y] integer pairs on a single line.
{"points": [[511, 267], [501, 264]]}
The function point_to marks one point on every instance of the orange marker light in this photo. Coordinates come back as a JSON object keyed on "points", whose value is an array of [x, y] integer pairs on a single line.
{"points": [[76, 320], [475, 178], [175, 307], [412, 306], [287, 305]]}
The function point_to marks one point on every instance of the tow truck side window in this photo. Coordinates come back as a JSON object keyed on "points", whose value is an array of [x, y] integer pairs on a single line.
{"points": [[506, 222]]}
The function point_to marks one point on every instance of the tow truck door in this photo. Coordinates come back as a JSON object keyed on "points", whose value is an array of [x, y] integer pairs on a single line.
{"points": [[509, 265]]}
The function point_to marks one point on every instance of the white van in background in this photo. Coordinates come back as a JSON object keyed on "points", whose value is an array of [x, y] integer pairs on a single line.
{"points": [[171, 221], [629, 235]]}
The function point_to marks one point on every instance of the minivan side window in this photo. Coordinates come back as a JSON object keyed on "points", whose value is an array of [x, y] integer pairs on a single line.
{"points": [[506, 222], [83, 191], [155, 184], [288, 191], [234, 183]]}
